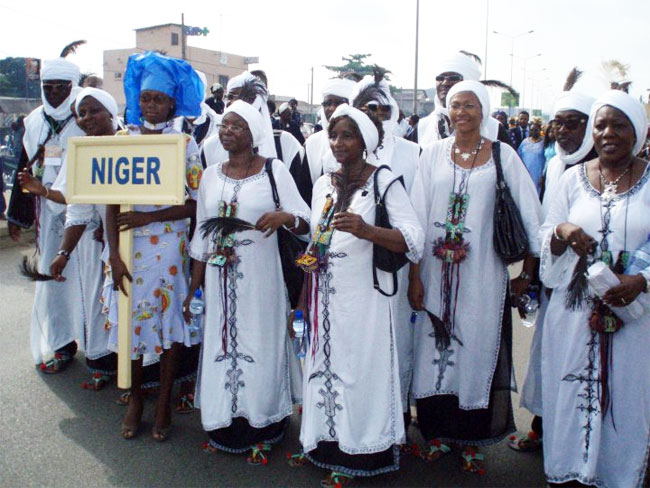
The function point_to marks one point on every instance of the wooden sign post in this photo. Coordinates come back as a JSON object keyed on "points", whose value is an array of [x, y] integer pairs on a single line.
{"points": [[127, 171]]}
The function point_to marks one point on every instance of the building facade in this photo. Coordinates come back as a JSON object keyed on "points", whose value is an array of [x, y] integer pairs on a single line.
{"points": [[168, 39]]}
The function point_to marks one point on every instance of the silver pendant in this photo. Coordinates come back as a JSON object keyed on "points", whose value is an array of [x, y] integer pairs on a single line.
{"points": [[609, 191]]}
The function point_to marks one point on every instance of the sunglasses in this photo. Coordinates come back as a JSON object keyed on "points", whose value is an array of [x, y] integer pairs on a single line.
{"points": [[378, 108], [452, 78], [570, 124], [48, 86]]}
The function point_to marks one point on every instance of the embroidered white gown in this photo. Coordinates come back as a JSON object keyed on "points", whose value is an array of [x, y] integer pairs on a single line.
{"points": [[466, 371], [580, 441], [351, 392], [402, 158], [248, 378]]}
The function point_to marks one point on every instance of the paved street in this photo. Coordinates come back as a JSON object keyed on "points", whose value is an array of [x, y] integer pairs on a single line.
{"points": [[53, 433]]}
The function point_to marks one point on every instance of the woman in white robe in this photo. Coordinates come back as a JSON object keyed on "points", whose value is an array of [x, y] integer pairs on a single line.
{"points": [[372, 95], [463, 372], [595, 383], [352, 417], [243, 389]]}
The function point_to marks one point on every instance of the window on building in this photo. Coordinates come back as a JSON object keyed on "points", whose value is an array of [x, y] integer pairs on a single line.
{"points": [[223, 80], [174, 39], [118, 75]]}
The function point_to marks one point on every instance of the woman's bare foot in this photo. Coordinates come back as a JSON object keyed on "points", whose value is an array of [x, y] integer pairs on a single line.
{"points": [[162, 421], [133, 417]]}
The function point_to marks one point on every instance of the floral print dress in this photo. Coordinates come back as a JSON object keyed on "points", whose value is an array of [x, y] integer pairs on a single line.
{"points": [[160, 275]]}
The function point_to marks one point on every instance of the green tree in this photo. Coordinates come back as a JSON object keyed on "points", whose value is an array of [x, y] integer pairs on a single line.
{"points": [[355, 63], [13, 79]]}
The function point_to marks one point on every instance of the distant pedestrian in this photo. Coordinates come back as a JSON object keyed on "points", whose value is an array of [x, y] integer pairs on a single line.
{"points": [[215, 102], [289, 124]]}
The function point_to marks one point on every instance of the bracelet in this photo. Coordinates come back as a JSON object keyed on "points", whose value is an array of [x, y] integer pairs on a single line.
{"points": [[296, 223], [47, 192], [64, 253], [555, 234]]}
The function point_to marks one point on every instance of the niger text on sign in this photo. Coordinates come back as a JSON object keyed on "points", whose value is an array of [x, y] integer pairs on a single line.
{"points": [[136, 170]]}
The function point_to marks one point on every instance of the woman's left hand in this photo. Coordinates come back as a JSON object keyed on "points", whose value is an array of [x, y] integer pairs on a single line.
{"points": [[132, 220], [517, 287], [625, 293], [187, 315], [352, 223], [272, 221]]}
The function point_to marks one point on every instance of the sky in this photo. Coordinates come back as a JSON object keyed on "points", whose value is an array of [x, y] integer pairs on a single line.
{"points": [[292, 36]]}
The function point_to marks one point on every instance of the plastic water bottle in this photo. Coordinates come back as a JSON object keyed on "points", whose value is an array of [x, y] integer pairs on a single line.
{"points": [[640, 259], [299, 338], [529, 304], [197, 306]]}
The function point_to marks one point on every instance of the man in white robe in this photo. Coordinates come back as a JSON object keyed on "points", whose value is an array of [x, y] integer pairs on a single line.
{"points": [[57, 316]]}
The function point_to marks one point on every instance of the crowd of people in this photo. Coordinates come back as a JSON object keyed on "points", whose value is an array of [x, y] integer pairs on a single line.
{"points": [[403, 281]]}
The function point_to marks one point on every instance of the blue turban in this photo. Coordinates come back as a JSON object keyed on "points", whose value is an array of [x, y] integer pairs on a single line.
{"points": [[173, 77]]}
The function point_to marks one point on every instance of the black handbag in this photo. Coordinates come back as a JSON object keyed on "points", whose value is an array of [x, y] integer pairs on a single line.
{"points": [[21, 210], [289, 247], [510, 239], [383, 258]]}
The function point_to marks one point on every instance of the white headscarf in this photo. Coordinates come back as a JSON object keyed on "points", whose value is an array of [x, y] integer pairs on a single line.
{"points": [[572, 100], [103, 97], [366, 126], [478, 89], [339, 87], [463, 65], [267, 143], [59, 69], [283, 107], [252, 117], [630, 107]]}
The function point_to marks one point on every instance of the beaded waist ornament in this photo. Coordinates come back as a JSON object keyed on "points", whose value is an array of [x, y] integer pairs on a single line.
{"points": [[315, 255], [452, 250]]}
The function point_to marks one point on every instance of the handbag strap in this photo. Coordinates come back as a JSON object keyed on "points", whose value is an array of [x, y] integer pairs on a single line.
{"points": [[496, 156], [379, 200], [268, 167]]}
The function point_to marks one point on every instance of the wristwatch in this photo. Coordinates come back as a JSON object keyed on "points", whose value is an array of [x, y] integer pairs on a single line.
{"points": [[64, 253]]}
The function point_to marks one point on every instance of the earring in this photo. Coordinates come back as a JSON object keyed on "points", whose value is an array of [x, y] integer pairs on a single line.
{"points": [[365, 154]]}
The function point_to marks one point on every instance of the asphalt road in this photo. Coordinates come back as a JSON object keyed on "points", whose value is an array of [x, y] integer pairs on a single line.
{"points": [[53, 433]]}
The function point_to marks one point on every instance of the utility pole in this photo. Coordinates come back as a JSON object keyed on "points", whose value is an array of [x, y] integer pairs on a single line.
{"points": [[311, 96], [182, 36], [487, 17], [417, 37]]}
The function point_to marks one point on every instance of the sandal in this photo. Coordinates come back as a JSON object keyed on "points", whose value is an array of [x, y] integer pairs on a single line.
{"points": [[124, 399], [472, 461], [336, 480], [208, 448], [57, 364], [97, 382], [185, 404], [530, 442], [435, 451], [257, 456], [297, 460]]}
